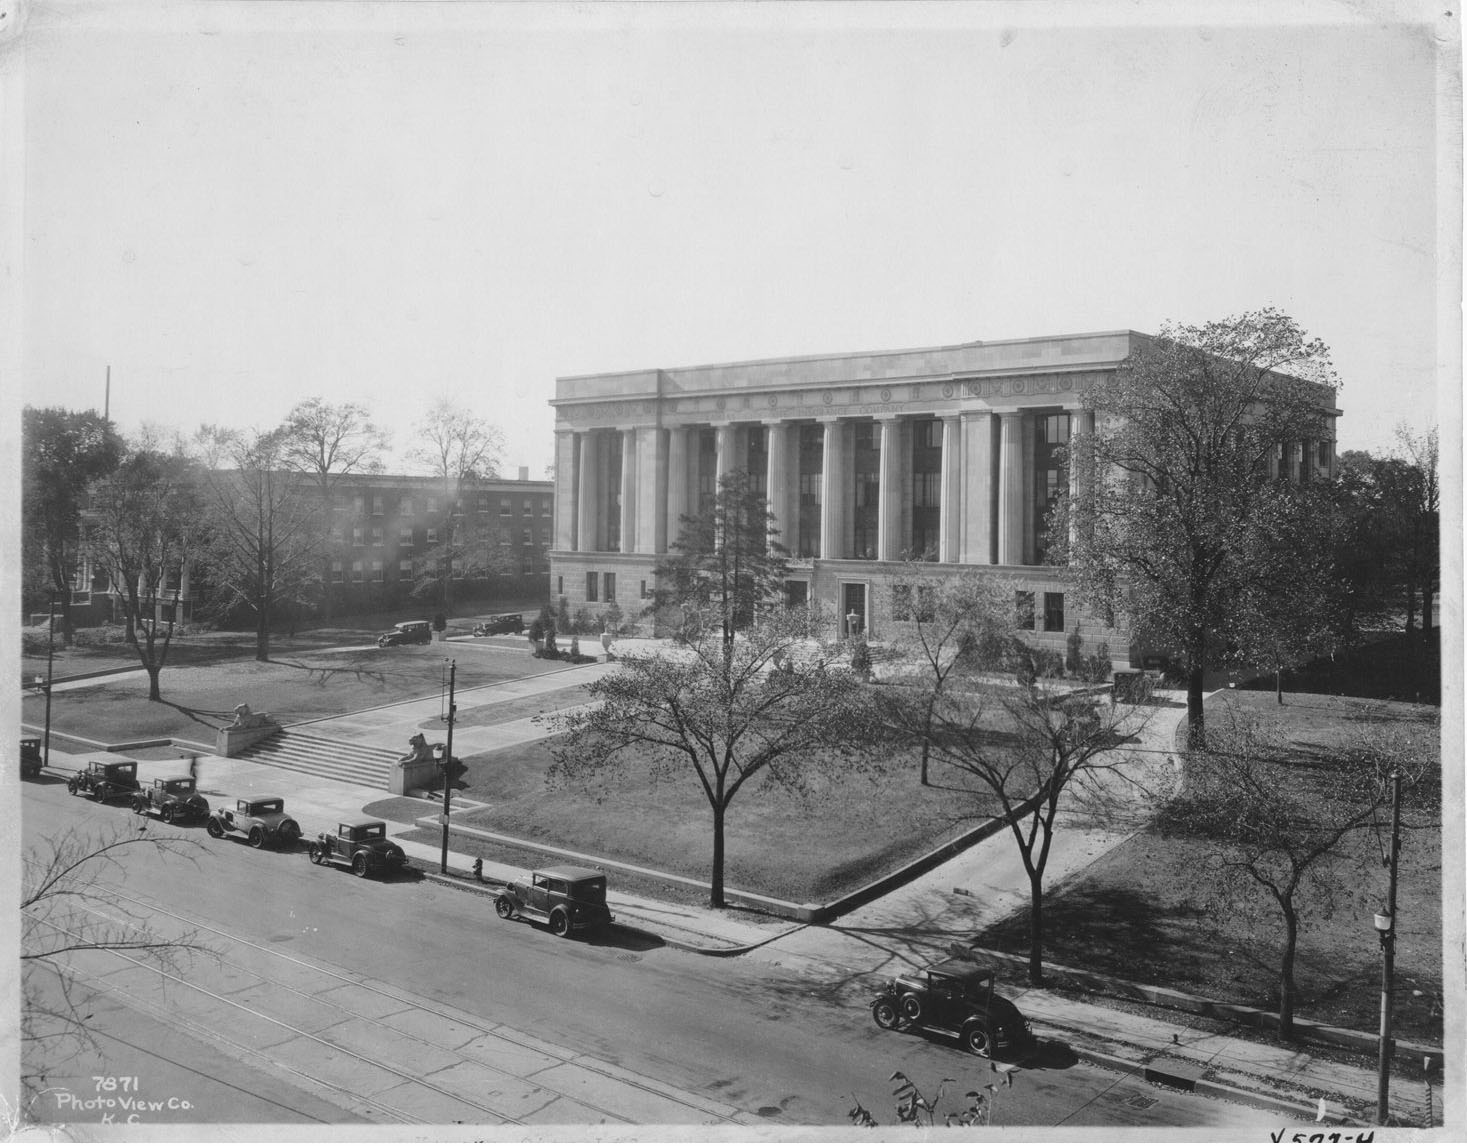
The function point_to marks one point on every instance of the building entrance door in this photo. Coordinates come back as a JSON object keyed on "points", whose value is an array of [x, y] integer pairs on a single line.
{"points": [[853, 607]]}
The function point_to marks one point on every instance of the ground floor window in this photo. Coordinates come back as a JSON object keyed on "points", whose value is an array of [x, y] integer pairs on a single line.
{"points": [[796, 594], [1024, 610], [608, 585], [336, 572], [1054, 612], [404, 570], [592, 581]]}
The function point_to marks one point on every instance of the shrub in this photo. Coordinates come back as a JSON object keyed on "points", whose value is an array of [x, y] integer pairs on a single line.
{"points": [[582, 622], [1074, 652], [99, 637]]}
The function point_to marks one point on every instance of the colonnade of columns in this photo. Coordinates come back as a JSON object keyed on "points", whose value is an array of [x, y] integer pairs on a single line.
{"points": [[985, 511]]}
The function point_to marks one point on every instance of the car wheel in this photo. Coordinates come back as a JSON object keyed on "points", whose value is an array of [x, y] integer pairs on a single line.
{"points": [[504, 907], [257, 837], [359, 866], [381, 642], [911, 1008], [977, 1040], [137, 806], [72, 785], [559, 924], [215, 829], [169, 814], [884, 1011], [317, 855]]}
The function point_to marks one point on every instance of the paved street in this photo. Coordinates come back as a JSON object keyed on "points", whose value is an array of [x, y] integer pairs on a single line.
{"points": [[335, 999]]}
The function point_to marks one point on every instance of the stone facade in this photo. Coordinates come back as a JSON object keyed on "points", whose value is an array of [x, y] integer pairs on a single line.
{"points": [[946, 455]]}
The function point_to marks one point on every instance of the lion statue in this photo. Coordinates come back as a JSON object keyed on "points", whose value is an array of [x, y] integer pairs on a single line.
{"points": [[420, 750], [244, 718]]}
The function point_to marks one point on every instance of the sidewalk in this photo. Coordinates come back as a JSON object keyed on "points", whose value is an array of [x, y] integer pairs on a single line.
{"points": [[910, 927]]}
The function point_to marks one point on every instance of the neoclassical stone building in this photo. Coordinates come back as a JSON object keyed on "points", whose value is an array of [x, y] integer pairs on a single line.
{"points": [[948, 454]]}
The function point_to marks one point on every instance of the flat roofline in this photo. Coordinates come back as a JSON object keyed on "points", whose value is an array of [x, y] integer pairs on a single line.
{"points": [[855, 354]]}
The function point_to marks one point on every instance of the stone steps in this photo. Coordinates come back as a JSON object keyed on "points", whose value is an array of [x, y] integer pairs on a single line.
{"points": [[321, 756]]}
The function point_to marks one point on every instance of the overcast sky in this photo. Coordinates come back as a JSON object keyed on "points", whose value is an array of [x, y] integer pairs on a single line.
{"points": [[239, 205]]}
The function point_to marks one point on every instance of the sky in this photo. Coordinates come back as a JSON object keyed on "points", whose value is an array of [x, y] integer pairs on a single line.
{"points": [[236, 206]]}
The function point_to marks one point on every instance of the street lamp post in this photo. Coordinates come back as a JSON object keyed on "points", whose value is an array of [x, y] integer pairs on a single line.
{"points": [[1385, 926], [443, 754]]}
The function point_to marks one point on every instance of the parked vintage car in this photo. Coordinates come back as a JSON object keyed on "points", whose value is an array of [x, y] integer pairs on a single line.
{"points": [[500, 623], [406, 633], [107, 776], [954, 998], [261, 821], [30, 757], [361, 845], [176, 798], [567, 898]]}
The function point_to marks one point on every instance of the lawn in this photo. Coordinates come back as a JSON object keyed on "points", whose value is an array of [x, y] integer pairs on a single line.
{"points": [[1150, 911], [856, 820], [292, 687]]}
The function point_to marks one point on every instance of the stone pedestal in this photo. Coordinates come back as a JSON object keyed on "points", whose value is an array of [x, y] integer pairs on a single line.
{"points": [[413, 774], [232, 741]]}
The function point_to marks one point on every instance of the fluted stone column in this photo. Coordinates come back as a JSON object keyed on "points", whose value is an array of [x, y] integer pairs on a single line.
{"points": [[1082, 430], [629, 479], [777, 480], [651, 490], [832, 491], [586, 517], [980, 489], [724, 451], [950, 522], [565, 490], [889, 507], [677, 481], [1011, 490]]}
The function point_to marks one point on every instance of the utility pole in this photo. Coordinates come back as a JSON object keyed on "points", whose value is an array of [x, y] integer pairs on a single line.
{"points": [[50, 661], [1388, 958], [447, 761]]}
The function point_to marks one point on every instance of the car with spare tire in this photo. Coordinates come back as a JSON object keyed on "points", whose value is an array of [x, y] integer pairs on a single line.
{"points": [[362, 845], [566, 898], [107, 776], [261, 820], [173, 799], [954, 998]]}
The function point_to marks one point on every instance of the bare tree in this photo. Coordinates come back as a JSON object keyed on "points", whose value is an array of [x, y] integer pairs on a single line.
{"points": [[264, 541], [326, 442], [69, 905], [1281, 827], [718, 715], [1026, 748], [143, 529], [945, 625], [461, 450]]}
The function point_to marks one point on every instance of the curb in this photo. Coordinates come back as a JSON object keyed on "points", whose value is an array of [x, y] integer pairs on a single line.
{"points": [[1299, 1108]]}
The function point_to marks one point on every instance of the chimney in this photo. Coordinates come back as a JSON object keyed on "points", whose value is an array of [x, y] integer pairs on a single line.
{"points": [[524, 473]]}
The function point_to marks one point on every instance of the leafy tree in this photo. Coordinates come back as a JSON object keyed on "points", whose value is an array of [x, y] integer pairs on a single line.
{"points": [[725, 561], [717, 714], [1025, 749], [62, 453], [1419, 499], [1187, 429], [326, 442], [144, 531], [1280, 828], [944, 624], [68, 906], [1289, 610], [461, 450], [265, 542]]}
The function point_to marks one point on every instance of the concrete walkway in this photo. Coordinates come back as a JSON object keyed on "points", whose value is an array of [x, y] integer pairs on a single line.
{"points": [[909, 927]]}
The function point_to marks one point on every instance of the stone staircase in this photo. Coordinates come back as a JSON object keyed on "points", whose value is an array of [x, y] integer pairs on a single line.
{"points": [[321, 756]]}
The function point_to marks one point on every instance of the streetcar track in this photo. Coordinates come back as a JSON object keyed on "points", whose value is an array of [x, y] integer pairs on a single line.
{"points": [[472, 1023], [107, 986]]}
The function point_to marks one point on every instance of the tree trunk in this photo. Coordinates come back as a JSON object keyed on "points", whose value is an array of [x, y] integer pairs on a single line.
{"points": [[926, 748], [154, 671], [1287, 990], [262, 635], [1278, 683], [1196, 731], [715, 881], [1036, 930]]}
